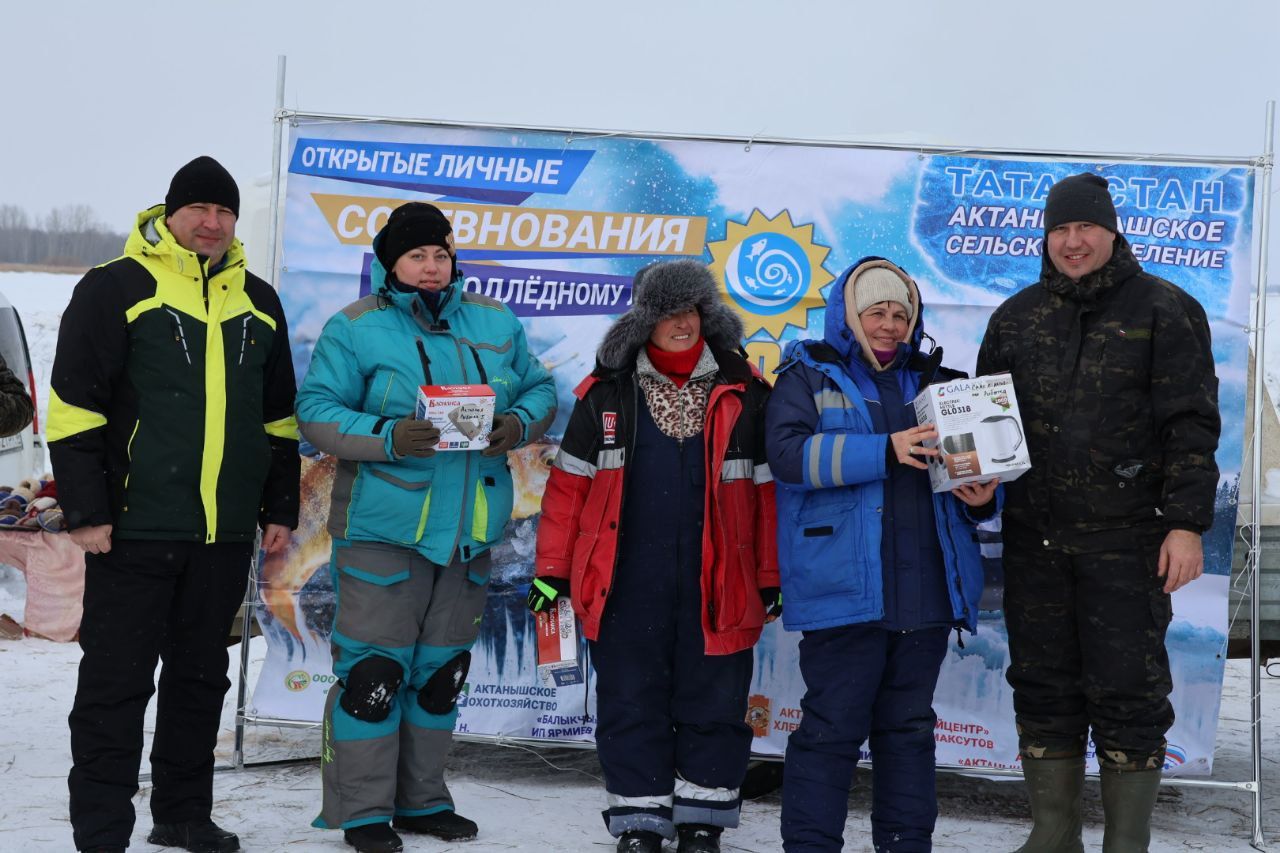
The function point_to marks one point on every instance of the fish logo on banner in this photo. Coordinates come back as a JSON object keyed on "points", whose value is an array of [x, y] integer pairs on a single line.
{"points": [[772, 271]]}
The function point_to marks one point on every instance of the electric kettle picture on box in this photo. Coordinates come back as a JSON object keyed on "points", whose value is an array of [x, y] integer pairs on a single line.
{"points": [[1006, 437]]}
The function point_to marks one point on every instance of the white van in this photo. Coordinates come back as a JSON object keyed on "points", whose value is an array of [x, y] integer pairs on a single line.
{"points": [[21, 455]]}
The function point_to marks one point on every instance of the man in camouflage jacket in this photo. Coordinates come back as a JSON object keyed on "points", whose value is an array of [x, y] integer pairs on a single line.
{"points": [[15, 403], [1114, 375]]}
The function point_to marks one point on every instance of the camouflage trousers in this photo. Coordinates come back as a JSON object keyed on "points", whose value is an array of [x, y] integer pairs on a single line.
{"points": [[1087, 650]]}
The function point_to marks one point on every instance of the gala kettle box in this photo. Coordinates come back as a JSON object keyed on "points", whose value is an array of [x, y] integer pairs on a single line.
{"points": [[980, 433]]}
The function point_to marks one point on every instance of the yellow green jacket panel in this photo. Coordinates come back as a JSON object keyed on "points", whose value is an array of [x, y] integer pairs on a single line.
{"points": [[171, 413]]}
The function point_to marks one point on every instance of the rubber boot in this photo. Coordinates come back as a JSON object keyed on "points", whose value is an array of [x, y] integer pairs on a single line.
{"points": [[1055, 787], [1128, 799]]}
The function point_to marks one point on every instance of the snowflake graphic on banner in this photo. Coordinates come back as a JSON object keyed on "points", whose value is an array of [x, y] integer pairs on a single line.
{"points": [[772, 271]]}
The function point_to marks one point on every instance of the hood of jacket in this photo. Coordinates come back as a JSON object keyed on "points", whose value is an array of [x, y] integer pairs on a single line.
{"points": [[151, 238], [847, 339]]}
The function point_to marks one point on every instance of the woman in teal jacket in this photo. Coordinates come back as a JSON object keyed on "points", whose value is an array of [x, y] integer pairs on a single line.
{"points": [[411, 527]]}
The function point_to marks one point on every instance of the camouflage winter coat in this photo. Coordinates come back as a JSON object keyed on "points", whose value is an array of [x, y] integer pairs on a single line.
{"points": [[1115, 382], [15, 405]]}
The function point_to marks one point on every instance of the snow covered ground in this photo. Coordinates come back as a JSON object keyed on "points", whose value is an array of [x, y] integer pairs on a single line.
{"points": [[547, 799]]}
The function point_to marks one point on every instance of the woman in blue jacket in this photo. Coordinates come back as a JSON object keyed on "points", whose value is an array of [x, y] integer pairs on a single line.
{"points": [[876, 569], [411, 527]]}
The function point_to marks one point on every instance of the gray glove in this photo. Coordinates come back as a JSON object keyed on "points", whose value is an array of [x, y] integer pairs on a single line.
{"points": [[412, 437], [505, 435]]}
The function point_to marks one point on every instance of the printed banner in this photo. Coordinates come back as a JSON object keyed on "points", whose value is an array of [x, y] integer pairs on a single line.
{"points": [[557, 227]]}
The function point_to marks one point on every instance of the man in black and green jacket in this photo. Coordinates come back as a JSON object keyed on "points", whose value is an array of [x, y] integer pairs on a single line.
{"points": [[173, 441]]}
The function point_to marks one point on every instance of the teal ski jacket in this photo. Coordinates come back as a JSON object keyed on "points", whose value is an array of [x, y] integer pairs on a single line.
{"points": [[365, 372]]}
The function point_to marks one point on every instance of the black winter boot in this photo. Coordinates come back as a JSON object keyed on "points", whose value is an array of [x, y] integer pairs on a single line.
{"points": [[373, 838], [198, 836], [640, 841], [698, 838], [1055, 787], [448, 825], [1128, 799]]}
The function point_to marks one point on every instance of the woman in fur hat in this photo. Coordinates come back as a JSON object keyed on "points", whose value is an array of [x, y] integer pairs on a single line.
{"points": [[658, 522], [877, 570]]}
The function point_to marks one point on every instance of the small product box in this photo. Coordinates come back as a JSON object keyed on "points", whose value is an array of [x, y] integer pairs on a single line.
{"points": [[980, 433], [558, 645], [462, 413]]}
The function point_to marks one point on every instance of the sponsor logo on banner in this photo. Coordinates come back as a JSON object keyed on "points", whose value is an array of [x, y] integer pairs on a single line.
{"points": [[772, 271], [1174, 756], [758, 714], [297, 681], [610, 427]]}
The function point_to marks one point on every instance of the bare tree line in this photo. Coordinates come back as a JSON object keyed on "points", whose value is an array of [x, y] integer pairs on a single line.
{"points": [[67, 236]]}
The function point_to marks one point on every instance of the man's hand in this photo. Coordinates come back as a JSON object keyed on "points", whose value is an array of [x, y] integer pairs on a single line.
{"points": [[505, 434], [274, 538], [976, 494], [94, 540], [1181, 559], [412, 437]]}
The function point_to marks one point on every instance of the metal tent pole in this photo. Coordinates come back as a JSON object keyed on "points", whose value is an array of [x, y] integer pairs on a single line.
{"points": [[242, 683], [250, 593], [1255, 535], [277, 138]]}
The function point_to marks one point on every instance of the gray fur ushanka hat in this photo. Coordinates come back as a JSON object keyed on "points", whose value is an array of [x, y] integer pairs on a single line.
{"points": [[660, 290]]}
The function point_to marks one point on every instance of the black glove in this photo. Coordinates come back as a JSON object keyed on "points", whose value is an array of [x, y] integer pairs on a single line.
{"points": [[544, 592], [772, 598], [505, 435], [412, 437]]}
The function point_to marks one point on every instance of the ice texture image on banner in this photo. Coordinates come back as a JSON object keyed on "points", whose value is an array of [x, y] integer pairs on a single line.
{"points": [[776, 223]]}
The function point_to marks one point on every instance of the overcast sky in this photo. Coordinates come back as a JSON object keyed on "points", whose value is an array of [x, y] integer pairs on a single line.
{"points": [[105, 100]]}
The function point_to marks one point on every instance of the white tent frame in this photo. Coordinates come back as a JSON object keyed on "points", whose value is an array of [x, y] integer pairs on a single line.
{"points": [[1262, 165]]}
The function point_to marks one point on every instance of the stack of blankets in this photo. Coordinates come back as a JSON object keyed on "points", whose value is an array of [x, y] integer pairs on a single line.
{"points": [[32, 505]]}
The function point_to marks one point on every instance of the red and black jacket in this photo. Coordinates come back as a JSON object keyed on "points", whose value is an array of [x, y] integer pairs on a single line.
{"points": [[582, 504]]}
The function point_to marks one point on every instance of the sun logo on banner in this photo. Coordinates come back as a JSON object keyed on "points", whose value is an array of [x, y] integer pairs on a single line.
{"points": [[772, 271]]}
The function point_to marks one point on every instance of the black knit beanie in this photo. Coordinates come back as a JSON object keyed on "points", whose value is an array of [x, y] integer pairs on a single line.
{"points": [[1080, 198], [410, 226], [202, 181]]}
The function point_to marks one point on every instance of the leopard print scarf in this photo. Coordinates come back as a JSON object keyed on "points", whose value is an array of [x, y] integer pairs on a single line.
{"points": [[678, 412]]}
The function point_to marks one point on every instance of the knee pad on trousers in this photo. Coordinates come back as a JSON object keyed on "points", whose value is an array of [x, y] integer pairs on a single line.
{"points": [[371, 688], [440, 693]]}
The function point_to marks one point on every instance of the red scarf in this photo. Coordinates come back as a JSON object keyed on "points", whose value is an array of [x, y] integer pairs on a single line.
{"points": [[676, 366]]}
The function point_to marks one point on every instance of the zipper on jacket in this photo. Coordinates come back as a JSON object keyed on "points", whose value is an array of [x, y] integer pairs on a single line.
{"points": [[426, 362], [475, 354]]}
